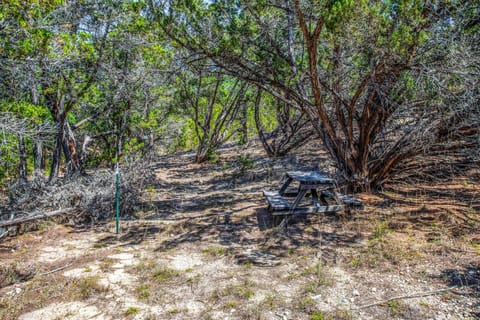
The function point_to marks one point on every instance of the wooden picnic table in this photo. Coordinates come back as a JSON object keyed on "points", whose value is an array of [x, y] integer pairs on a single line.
{"points": [[316, 184]]}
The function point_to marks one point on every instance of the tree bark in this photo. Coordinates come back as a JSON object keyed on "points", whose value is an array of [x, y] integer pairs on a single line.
{"points": [[70, 149], [83, 155], [64, 143], [244, 124], [56, 155], [38, 160], [23, 158]]}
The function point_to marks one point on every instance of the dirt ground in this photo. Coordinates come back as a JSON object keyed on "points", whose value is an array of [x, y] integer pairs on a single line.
{"points": [[203, 247]]}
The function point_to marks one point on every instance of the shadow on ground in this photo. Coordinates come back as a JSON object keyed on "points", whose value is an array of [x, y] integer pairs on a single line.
{"points": [[251, 238], [467, 280], [132, 235]]}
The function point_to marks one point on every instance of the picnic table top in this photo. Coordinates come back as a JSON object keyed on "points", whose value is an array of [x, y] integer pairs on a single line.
{"points": [[310, 177]]}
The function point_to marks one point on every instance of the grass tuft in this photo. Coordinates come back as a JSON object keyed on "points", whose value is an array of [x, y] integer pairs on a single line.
{"points": [[215, 251], [319, 274], [165, 274], [89, 286], [131, 311], [143, 291]]}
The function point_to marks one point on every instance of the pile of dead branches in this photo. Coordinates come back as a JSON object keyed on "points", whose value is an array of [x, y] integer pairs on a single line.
{"points": [[91, 198]]}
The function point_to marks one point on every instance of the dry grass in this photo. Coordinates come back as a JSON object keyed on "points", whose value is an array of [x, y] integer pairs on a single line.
{"points": [[215, 251], [318, 276], [106, 264], [89, 286], [410, 238], [233, 294], [43, 290], [15, 272]]}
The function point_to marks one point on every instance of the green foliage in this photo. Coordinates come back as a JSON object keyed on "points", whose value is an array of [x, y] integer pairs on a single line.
{"points": [[164, 274], [215, 251], [269, 108], [144, 73], [24, 110], [186, 139], [143, 291], [8, 171], [339, 12], [246, 163], [211, 103], [131, 311], [353, 46], [318, 315], [381, 229], [26, 117]]}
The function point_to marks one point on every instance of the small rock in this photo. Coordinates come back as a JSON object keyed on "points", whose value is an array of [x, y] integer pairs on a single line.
{"points": [[14, 291], [317, 297]]}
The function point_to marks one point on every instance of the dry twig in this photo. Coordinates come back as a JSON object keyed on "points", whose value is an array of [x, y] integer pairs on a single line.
{"points": [[56, 269], [408, 296], [35, 217]]}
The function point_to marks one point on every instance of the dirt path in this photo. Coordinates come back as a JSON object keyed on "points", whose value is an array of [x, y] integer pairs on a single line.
{"points": [[203, 248]]}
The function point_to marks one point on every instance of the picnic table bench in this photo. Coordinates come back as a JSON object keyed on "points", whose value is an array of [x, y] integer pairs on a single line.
{"points": [[319, 186]]}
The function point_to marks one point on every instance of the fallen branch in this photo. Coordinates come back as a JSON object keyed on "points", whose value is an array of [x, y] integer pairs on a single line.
{"points": [[36, 217], [56, 270], [409, 296]]}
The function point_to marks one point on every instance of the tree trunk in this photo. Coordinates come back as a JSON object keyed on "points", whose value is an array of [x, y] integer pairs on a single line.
{"points": [[203, 152], [261, 134], [64, 142], [292, 130], [23, 158], [244, 124], [38, 160], [83, 155], [56, 156], [70, 149]]}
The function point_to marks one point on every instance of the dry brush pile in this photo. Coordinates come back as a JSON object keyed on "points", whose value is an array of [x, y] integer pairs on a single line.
{"points": [[87, 198]]}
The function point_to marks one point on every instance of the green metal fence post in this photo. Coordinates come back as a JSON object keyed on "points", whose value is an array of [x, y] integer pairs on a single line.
{"points": [[117, 198]]}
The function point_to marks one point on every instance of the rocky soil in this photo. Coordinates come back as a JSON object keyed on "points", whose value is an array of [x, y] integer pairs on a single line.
{"points": [[203, 247]]}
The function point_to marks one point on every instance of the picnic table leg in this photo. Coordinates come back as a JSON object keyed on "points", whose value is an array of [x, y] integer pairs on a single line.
{"points": [[339, 201], [285, 185], [284, 223], [301, 194], [323, 200], [314, 197], [337, 198]]}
